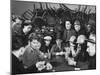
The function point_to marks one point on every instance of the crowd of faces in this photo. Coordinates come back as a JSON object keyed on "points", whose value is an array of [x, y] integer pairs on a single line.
{"points": [[37, 44]]}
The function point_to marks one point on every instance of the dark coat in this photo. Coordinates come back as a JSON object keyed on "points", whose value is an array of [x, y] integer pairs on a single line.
{"points": [[31, 56], [55, 49], [67, 34], [18, 68], [45, 48]]}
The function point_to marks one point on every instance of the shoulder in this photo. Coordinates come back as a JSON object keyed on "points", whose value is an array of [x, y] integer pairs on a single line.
{"points": [[53, 46]]}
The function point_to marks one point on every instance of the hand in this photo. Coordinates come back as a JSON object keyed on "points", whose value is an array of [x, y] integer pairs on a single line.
{"points": [[40, 65], [48, 66], [57, 53], [71, 61], [61, 53]]}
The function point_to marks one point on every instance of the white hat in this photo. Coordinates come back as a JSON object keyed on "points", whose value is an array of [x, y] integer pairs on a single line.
{"points": [[92, 37], [72, 38], [48, 38], [81, 39]]}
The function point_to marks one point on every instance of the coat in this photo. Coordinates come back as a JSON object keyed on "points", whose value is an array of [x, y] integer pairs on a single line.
{"points": [[31, 56], [67, 34]]}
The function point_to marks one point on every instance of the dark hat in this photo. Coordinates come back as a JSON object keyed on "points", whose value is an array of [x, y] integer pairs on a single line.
{"points": [[91, 22], [77, 22], [33, 36]]}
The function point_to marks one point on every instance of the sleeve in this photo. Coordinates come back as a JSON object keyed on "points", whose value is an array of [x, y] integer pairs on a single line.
{"points": [[17, 66], [25, 58], [53, 50]]}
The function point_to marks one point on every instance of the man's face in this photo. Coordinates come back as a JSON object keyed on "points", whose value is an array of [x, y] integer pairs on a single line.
{"points": [[88, 27], [91, 46], [77, 27], [68, 25], [47, 42], [91, 49], [18, 21], [35, 44], [26, 29]]}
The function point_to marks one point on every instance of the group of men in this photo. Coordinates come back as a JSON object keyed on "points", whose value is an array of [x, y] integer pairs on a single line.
{"points": [[72, 41]]}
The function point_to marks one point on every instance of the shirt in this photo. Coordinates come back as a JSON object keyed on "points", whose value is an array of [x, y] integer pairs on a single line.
{"points": [[17, 66], [31, 56]]}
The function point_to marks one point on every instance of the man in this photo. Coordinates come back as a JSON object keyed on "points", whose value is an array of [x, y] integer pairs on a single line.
{"points": [[90, 27], [78, 28], [57, 48], [46, 46], [81, 54], [17, 65], [17, 23], [92, 51], [70, 52], [26, 28], [32, 53], [57, 53], [68, 31], [80, 46], [22, 36]]}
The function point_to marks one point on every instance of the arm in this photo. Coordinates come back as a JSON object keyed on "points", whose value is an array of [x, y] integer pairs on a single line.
{"points": [[53, 50], [78, 49]]}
